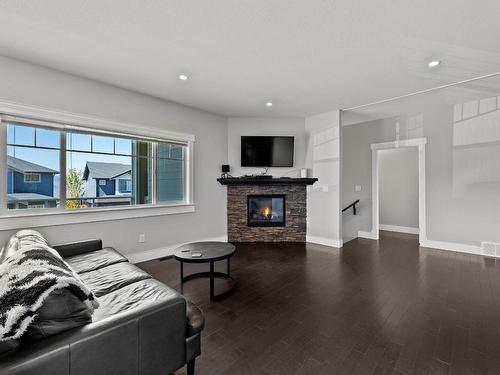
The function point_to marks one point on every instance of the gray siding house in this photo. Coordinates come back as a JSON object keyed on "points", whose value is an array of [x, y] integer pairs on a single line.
{"points": [[108, 183]]}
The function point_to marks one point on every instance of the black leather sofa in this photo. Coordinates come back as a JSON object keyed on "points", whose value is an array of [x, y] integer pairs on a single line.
{"points": [[141, 327]]}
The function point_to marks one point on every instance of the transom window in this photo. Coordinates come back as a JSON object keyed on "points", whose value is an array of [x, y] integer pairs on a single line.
{"points": [[99, 170]]}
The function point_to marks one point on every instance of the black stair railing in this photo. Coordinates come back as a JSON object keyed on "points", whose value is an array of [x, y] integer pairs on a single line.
{"points": [[353, 205]]}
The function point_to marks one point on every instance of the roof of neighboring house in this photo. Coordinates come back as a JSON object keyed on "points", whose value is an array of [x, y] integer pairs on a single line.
{"points": [[105, 170], [29, 197], [23, 166]]}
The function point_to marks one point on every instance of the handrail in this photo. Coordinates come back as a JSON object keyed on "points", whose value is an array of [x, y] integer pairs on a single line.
{"points": [[353, 205]]}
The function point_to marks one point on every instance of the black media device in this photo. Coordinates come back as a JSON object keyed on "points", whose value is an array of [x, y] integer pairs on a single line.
{"points": [[267, 151], [225, 168]]}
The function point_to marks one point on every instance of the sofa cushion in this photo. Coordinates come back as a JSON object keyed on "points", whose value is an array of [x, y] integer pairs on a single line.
{"points": [[95, 259], [61, 311], [136, 295], [108, 279], [79, 247], [195, 319]]}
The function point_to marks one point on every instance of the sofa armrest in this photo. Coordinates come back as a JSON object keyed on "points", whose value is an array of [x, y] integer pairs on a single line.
{"points": [[78, 247], [148, 340]]}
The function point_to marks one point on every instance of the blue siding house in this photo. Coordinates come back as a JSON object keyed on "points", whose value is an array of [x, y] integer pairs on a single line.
{"points": [[29, 184]]}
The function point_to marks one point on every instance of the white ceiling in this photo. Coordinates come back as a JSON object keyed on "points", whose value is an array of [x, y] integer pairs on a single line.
{"points": [[307, 56]]}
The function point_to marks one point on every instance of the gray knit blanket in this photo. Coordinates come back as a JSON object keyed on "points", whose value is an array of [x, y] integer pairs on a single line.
{"points": [[28, 275]]}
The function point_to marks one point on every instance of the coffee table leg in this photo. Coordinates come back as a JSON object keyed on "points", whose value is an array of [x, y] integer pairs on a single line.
{"points": [[211, 280], [228, 267], [182, 271]]}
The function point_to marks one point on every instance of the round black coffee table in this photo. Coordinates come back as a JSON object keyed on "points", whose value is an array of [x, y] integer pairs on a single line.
{"points": [[211, 252]]}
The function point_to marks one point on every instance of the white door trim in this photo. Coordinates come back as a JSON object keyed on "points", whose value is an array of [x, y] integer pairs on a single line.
{"points": [[422, 214]]}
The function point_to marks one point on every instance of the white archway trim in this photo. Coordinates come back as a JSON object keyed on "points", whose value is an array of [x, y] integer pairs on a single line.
{"points": [[422, 214]]}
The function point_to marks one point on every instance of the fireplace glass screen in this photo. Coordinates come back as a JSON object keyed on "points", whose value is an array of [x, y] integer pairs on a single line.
{"points": [[266, 210]]}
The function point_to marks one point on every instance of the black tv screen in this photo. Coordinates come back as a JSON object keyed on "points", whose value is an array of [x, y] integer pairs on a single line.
{"points": [[265, 151]]}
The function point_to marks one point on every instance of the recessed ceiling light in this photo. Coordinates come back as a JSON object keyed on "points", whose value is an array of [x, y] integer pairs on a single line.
{"points": [[183, 77], [434, 63], [269, 104]]}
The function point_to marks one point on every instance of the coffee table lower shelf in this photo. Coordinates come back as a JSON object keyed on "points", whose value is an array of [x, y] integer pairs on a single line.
{"points": [[212, 275]]}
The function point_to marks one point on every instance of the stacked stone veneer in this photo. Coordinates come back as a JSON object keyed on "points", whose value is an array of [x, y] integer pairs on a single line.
{"points": [[295, 207]]}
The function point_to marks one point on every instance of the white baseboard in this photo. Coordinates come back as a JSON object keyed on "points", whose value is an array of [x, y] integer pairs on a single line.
{"points": [[452, 246], [440, 245], [368, 235], [324, 241], [143, 256], [399, 229]]}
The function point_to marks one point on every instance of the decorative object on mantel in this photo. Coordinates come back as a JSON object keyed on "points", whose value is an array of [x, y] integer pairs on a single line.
{"points": [[225, 169]]}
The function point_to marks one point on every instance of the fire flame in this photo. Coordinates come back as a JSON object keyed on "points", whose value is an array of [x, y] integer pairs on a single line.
{"points": [[266, 212]]}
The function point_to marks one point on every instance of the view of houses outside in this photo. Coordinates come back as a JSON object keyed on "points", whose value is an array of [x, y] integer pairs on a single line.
{"points": [[32, 167], [100, 171]]}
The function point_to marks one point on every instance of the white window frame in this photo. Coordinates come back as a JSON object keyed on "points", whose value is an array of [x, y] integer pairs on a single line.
{"points": [[32, 174], [67, 122]]}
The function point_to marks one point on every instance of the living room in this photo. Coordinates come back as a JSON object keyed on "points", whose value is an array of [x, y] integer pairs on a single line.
{"points": [[249, 188]]}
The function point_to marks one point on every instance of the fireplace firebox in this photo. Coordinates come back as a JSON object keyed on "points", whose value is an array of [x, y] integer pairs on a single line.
{"points": [[266, 210]]}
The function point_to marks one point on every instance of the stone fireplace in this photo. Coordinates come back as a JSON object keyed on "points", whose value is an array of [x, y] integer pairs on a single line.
{"points": [[268, 210]]}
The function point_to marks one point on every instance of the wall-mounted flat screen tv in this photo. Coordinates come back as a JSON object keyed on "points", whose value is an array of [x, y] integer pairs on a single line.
{"points": [[266, 151]]}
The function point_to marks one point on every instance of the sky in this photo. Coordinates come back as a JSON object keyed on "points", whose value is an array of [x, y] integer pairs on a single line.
{"points": [[26, 136]]}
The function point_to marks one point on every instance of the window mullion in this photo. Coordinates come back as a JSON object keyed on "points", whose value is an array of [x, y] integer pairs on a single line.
{"points": [[188, 174], [3, 168], [154, 179], [62, 171]]}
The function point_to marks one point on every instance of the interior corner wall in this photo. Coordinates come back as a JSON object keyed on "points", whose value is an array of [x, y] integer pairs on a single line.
{"points": [[34, 85], [323, 162], [462, 173], [253, 126], [357, 170]]}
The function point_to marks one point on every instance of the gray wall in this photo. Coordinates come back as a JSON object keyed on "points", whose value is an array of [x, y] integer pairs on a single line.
{"points": [[462, 169], [34, 85], [398, 186], [239, 126], [357, 169], [323, 162]]}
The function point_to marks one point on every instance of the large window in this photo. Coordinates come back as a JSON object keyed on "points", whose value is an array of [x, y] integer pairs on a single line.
{"points": [[100, 170]]}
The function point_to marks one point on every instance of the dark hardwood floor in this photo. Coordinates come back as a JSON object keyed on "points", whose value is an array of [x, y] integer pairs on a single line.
{"points": [[386, 307]]}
